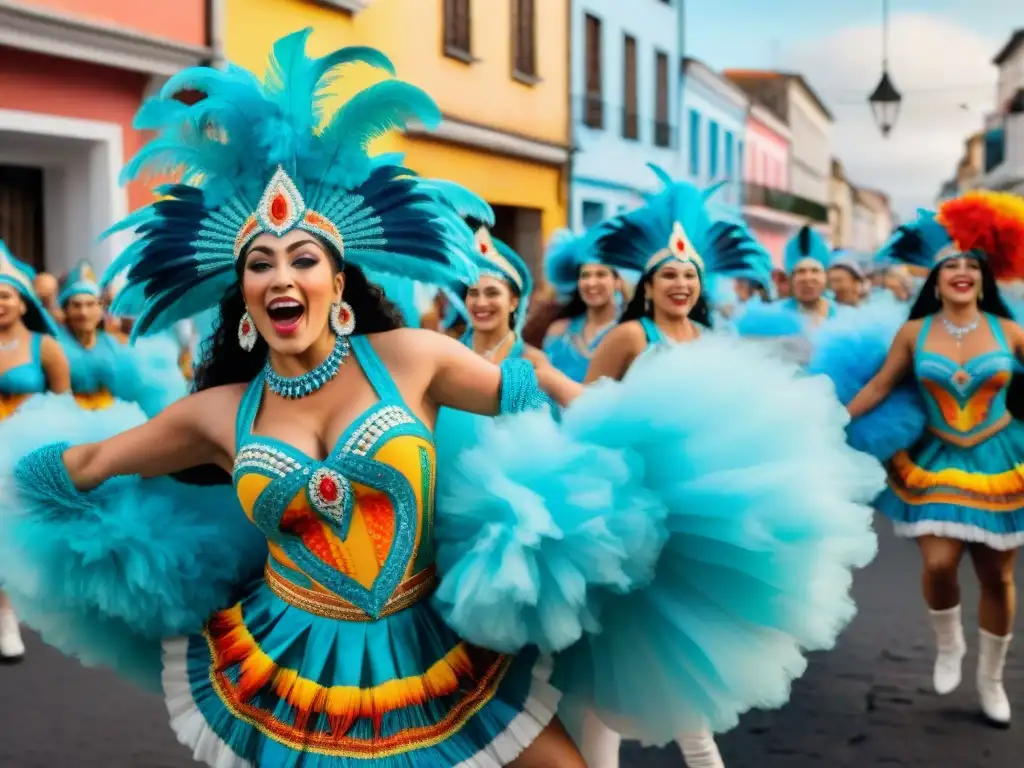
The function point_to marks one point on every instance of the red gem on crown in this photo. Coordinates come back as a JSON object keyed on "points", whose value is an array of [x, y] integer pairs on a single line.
{"points": [[328, 489], [681, 245], [483, 247], [278, 208]]}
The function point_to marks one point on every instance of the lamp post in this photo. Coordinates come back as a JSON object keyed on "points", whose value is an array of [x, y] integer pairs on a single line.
{"points": [[885, 99]]}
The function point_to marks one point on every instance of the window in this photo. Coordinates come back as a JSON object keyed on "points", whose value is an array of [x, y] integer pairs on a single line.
{"points": [[694, 143], [593, 111], [662, 131], [741, 161], [593, 213], [630, 120], [523, 22], [730, 159], [456, 29], [712, 150]]}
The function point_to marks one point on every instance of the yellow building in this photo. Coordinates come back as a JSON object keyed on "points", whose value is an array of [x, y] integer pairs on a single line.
{"points": [[499, 71]]}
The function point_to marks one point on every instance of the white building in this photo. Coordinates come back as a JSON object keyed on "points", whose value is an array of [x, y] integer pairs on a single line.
{"points": [[1004, 129]]}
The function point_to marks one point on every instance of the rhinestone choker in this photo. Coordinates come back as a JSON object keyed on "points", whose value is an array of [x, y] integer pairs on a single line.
{"points": [[292, 388]]}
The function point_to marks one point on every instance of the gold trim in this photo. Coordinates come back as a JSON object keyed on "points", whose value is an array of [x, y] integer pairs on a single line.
{"points": [[330, 606]]}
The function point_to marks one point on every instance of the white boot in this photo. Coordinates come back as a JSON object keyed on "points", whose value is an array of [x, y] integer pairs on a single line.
{"points": [[951, 647], [599, 744], [11, 646], [699, 750], [991, 659]]}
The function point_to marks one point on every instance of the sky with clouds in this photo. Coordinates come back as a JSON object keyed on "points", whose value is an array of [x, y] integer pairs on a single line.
{"points": [[940, 59]]}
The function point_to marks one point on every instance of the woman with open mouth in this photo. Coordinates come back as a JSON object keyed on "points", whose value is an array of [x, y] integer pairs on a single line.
{"points": [[591, 295], [287, 557], [31, 363], [956, 482]]}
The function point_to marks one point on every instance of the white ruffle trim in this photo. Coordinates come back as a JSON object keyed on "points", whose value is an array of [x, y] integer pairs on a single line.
{"points": [[1004, 542], [187, 721], [539, 710], [207, 747]]}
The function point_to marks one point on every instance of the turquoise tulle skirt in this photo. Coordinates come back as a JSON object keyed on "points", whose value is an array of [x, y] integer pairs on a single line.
{"points": [[726, 514], [973, 494]]}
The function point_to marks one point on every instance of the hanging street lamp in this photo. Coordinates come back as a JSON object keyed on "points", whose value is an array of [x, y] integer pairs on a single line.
{"points": [[885, 99]]}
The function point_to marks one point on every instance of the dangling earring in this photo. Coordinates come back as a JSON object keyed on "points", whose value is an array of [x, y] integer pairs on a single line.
{"points": [[937, 295], [343, 319], [246, 332], [647, 305]]}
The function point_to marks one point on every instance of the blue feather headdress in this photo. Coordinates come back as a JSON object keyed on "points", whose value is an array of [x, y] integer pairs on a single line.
{"points": [[674, 225], [81, 280], [255, 157], [740, 255], [18, 276], [916, 243], [497, 259], [807, 244], [566, 253]]}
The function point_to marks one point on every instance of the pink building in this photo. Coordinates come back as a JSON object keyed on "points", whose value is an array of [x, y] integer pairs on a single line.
{"points": [[766, 207]]}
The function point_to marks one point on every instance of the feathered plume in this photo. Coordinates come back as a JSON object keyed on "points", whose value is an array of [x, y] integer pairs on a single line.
{"points": [[225, 147], [566, 253], [739, 254], [990, 222], [807, 244], [915, 243]]}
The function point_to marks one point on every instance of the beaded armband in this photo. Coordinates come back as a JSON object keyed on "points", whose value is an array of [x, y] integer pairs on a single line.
{"points": [[42, 478], [519, 389]]}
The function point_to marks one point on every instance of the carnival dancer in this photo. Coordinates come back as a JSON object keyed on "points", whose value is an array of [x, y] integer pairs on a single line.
{"points": [[557, 537], [31, 362], [957, 489], [103, 369], [807, 258], [675, 246], [591, 294], [750, 283], [845, 279]]}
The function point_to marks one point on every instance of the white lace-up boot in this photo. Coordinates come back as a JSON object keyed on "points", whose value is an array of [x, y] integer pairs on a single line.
{"points": [[11, 645], [699, 750], [991, 660]]}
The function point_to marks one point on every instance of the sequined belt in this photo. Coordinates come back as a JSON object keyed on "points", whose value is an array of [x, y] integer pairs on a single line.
{"points": [[330, 606]]}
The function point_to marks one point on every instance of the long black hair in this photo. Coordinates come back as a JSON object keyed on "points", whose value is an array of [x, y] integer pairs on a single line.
{"points": [[223, 361], [637, 306], [991, 302]]}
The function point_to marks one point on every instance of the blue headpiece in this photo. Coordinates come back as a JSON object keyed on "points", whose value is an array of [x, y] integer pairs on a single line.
{"points": [[807, 244], [916, 243], [674, 225], [257, 158], [566, 253], [81, 280], [740, 255], [497, 259], [19, 276]]}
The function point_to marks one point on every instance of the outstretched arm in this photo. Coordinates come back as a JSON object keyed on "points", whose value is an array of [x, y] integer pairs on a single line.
{"points": [[897, 363], [196, 430]]}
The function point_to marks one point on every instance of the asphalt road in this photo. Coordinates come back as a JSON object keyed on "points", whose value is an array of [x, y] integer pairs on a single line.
{"points": [[865, 704]]}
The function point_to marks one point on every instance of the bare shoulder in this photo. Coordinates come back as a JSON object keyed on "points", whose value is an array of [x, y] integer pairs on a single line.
{"points": [[50, 348], [534, 355], [557, 328], [1011, 330], [410, 342], [630, 333], [910, 330]]}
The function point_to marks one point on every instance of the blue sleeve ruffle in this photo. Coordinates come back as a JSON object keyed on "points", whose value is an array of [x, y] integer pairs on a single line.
{"points": [[694, 526], [105, 575], [148, 373], [850, 350]]}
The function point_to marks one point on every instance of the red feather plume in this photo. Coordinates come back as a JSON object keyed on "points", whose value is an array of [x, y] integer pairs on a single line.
{"points": [[991, 222]]}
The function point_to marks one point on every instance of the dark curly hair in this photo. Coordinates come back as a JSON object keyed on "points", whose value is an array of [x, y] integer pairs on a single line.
{"points": [[637, 306], [223, 361]]}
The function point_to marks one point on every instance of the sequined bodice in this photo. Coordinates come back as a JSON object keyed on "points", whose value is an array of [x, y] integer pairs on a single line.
{"points": [[964, 400], [357, 524], [570, 353], [27, 378]]}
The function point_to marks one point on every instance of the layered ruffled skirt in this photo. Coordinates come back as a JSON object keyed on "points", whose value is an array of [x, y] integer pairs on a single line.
{"points": [[973, 494]]}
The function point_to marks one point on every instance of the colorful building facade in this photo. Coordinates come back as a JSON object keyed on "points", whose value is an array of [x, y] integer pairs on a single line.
{"points": [[72, 75], [713, 133], [499, 72], [625, 102], [766, 165]]}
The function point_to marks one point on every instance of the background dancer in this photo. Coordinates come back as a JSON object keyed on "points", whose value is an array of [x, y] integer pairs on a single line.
{"points": [[959, 489]]}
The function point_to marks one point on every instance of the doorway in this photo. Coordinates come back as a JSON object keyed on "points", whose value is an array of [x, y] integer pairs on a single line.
{"points": [[22, 227]]}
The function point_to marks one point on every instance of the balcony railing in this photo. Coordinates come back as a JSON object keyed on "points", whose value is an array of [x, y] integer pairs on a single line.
{"points": [[663, 134], [630, 124], [592, 110], [785, 202]]}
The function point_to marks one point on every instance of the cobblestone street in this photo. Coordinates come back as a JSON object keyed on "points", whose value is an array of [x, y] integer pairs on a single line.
{"points": [[865, 704]]}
